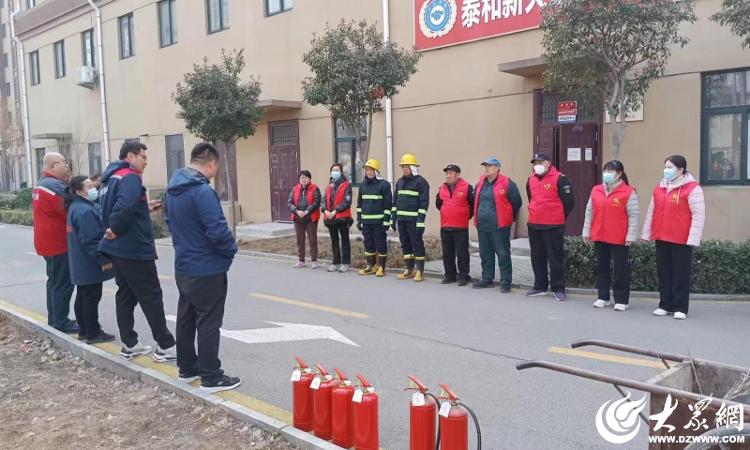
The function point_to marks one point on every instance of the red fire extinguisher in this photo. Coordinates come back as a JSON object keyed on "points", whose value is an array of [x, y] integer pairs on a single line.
{"points": [[422, 414], [454, 422], [302, 396], [322, 386], [365, 412], [341, 411]]}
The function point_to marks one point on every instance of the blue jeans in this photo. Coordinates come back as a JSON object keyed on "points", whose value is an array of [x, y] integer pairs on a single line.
{"points": [[59, 290]]}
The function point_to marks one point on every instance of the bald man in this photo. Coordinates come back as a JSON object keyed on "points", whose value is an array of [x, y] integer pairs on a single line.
{"points": [[51, 242]]}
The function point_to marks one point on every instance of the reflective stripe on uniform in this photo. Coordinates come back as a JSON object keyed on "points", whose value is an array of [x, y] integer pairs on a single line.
{"points": [[419, 258], [387, 213], [393, 208], [359, 210], [371, 216], [422, 211], [407, 213], [420, 225], [372, 197], [408, 256], [408, 192], [370, 254], [388, 224]]}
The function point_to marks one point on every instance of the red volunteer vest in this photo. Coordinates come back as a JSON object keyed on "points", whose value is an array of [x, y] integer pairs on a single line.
{"points": [[610, 221], [545, 207], [672, 217], [502, 206], [337, 200], [454, 213], [315, 214]]}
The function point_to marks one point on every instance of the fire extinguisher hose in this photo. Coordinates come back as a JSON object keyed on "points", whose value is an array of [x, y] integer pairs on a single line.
{"points": [[476, 425], [437, 403]]}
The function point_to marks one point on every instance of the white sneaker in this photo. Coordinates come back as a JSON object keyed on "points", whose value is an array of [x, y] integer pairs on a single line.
{"points": [[165, 355], [680, 316], [314, 265], [661, 312], [621, 307], [343, 268], [333, 268], [136, 350], [603, 303]]}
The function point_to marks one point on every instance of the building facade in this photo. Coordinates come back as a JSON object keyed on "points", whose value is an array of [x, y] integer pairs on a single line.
{"points": [[477, 94], [13, 162]]}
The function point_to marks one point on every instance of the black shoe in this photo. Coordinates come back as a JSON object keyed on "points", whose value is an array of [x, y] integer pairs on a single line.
{"points": [[188, 376], [448, 281], [224, 383], [81, 336], [464, 282], [70, 328], [504, 289], [482, 284], [100, 338]]}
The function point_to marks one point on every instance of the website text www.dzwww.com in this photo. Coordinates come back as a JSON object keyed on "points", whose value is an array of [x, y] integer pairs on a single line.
{"points": [[696, 439]]}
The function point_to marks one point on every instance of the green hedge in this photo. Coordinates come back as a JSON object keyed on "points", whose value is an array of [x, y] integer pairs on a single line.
{"points": [[719, 267], [23, 199], [17, 217], [7, 200]]}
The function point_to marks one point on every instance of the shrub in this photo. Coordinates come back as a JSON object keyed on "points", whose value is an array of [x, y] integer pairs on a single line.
{"points": [[719, 267], [7, 200], [23, 199], [17, 217]]}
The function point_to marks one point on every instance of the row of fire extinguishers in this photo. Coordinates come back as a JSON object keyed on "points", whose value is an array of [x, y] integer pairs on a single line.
{"points": [[336, 410]]}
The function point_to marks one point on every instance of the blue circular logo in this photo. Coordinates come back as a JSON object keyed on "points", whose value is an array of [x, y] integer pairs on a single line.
{"points": [[437, 17]]}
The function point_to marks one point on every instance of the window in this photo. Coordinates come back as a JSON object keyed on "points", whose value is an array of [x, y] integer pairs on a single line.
{"points": [[39, 153], [167, 23], [87, 43], [345, 150], [59, 50], [278, 6], [175, 149], [34, 62], [95, 158], [125, 25], [218, 15], [725, 129], [30, 3]]}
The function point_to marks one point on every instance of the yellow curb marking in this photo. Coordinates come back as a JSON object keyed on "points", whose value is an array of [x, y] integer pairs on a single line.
{"points": [[651, 363], [314, 306]]}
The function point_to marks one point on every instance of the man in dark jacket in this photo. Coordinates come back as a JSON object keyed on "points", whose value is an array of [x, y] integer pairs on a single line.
{"points": [[50, 240], [497, 204], [455, 201], [374, 202], [411, 199], [204, 249], [129, 243], [550, 202]]}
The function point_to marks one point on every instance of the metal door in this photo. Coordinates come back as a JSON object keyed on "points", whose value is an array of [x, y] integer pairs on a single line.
{"points": [[577, 157], [283, 157]]}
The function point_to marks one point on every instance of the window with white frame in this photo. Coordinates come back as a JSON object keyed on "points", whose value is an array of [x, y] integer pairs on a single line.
{"points": [[125, 27]]}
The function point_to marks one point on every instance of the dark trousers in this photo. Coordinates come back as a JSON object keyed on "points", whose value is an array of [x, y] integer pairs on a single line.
{"points": [[674, 265], [375, 237], [613, 270], [342, 254], [59, 290], [138, 284], [201, 308], [87, 309], [411, 237], [455, 245], [494, 243], [311, 230], [547, 249]]}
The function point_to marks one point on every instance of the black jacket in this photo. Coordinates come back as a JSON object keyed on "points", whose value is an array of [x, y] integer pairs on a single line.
{"points": [[346, 204], [411, 198], [564, 191], [374, 202]]}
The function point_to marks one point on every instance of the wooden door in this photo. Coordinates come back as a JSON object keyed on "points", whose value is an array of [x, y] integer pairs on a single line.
{"points": [[283, 157], [578, 157]]}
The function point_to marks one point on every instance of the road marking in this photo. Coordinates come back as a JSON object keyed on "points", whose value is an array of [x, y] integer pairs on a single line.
{"points": [[651, 363], [314, 306]]}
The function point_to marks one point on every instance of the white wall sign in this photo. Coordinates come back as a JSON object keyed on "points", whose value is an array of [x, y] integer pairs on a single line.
{"points": [[574, 153]]}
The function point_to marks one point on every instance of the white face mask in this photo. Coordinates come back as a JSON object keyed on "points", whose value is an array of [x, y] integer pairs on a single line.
{"points": [[539, 169]]}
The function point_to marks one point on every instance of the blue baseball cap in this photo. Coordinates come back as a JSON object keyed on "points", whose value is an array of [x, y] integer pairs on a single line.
{"points": [[491, 162]]}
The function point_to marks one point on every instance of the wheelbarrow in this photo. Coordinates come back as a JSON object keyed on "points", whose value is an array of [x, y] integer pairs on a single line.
{"points": [[687, 380]]}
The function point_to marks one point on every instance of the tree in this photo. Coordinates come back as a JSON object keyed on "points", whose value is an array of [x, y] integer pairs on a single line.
{"points": [[219, 107], [608, 52], [736, 15], [353, 69]]}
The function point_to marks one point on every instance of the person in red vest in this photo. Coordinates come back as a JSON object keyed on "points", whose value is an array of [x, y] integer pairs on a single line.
{"points": [[455, 201], [51, 240], [496, 207], [337, 217], [304, 204], [550, 202], [612, 218], [675, 220]]}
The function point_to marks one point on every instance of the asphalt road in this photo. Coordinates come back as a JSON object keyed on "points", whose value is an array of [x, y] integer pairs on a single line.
{"points": [[469, 339]]}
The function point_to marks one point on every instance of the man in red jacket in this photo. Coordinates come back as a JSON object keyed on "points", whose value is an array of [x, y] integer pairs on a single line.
{"points": [[455, 201], [51, 240]]}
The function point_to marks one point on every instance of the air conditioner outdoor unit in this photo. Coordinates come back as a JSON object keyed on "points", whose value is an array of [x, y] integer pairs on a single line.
{"points": [[87, 76]]}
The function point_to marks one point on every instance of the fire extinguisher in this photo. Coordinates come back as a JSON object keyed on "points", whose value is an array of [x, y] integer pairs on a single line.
{"points": [[341, 411], [454, 422], [365, 416], [302, 396], [422, 414], [321, 387]]}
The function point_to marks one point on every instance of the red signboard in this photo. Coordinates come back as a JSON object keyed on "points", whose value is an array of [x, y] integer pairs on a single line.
{"points": [[567, 111], [440, 23]]}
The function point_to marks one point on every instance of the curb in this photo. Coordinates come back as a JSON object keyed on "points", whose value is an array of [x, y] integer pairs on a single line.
{"points": [[134, 372]]}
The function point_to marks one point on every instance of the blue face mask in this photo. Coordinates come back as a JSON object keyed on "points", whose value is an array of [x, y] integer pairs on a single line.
{"points": [[669, 173], [335, 176], [92, 194], [608, 177]]}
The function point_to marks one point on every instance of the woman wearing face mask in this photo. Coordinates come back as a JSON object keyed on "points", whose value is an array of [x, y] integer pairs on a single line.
{"points": [[88, 268], [612, 218], [304, 204], [675, 221], [337, 217]]}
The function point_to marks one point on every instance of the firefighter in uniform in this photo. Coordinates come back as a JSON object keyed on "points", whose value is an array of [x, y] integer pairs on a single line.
{"points": [[374, 217], [411, 199]]}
